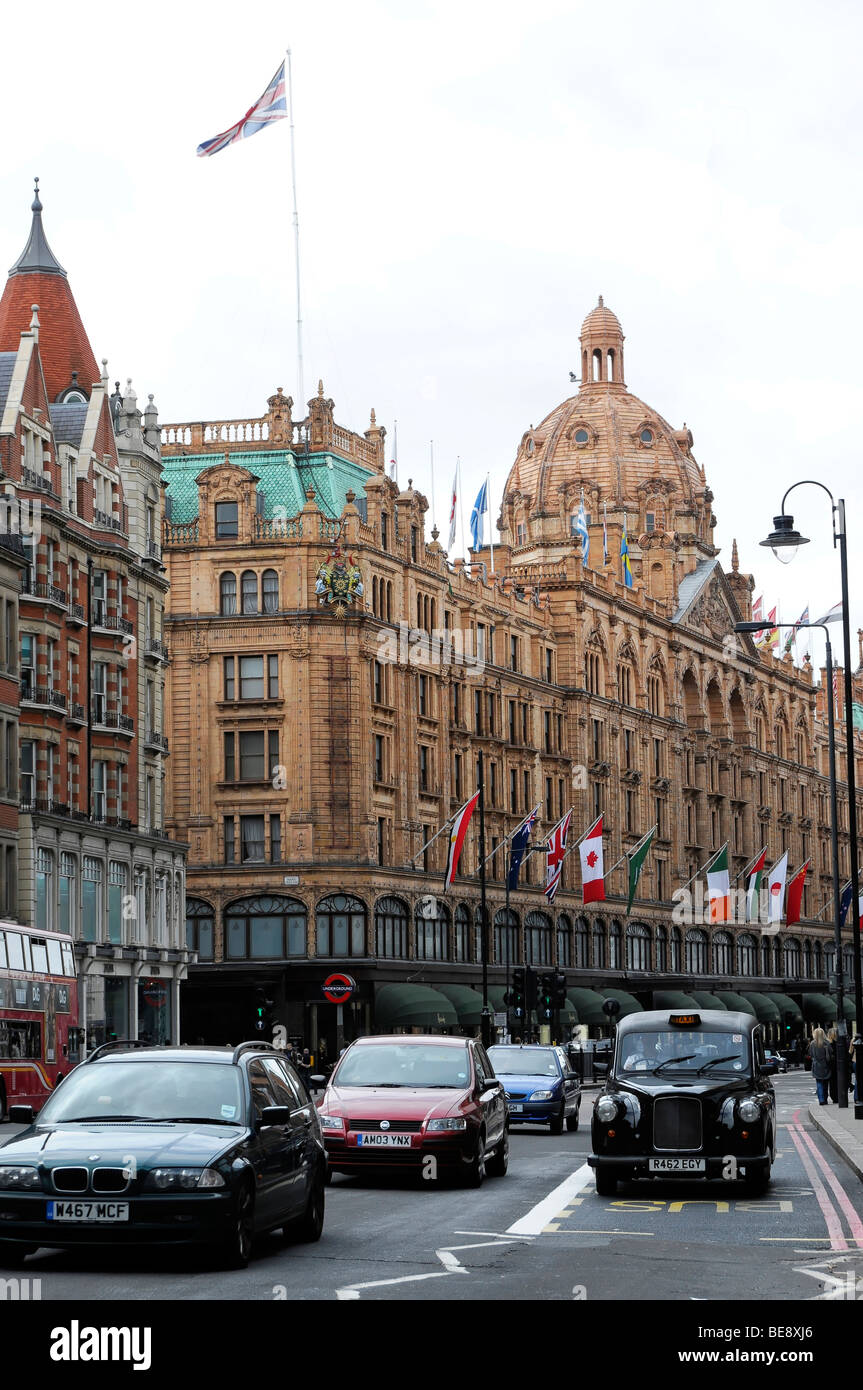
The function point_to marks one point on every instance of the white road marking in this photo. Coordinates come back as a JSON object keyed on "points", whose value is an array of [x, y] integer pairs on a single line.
{"points": [[536, 1220], [352, 1292]]}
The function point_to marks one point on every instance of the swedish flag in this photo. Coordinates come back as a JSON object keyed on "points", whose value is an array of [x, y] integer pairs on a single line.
{"points": [[624, 555]]}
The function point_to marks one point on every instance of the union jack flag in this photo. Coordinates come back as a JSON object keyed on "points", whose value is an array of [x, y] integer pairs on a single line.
{"points": [[556, 850], [268, 108]]}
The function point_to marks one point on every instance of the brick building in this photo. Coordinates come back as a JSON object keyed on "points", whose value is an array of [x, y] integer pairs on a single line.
{"points": [[84, 467], [313, 753]]}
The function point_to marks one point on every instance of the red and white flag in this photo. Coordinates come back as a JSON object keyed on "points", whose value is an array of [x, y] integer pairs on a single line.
{"points": [[452, 511], [458, 830], [776, 892], [556, 850], [795, 896], [590, 853]]}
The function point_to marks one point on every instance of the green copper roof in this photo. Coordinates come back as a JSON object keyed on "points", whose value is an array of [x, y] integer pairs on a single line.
{"points": [[284, 476]]}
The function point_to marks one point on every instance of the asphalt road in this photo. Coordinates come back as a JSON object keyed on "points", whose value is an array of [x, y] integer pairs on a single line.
{"points": [[541, 1232]]}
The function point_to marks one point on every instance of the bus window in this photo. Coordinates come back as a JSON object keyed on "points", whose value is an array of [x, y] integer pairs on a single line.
{"points": [[2, 950], [16, 953], [68, 961], [22, 1039], [55, 958], [25, 947], [40, 954]]}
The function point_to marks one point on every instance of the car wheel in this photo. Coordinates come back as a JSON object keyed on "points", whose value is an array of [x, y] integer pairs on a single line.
{"points": [[13, 1255], [499, 1161], [311, 1223], [606, 1185], [572, 1122], [237, 1249], [556, 1124], [474, 1170]]}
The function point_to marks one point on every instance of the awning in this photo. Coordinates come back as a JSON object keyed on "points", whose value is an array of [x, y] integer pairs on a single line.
{"points": [[628, 1003], [495, 998], [848, 1007], [737, 1002], [467, 1003], [707, 1000], [787, 1005], [673, 999], [588, 1005], [817, 1008], [413, 1006], [765, 1009]]}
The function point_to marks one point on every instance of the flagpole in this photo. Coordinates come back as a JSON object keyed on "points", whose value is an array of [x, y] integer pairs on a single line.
{"points": [[396, 450], [485, 1017], [704, 868], [490, 523], [431, 463], [296, 242], [435, 836], [519, 827], [743, 872], [461, 507]]}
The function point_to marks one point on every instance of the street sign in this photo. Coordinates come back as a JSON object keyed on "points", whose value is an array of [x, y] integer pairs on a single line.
{"points": [[338, 988], [291, 880]]}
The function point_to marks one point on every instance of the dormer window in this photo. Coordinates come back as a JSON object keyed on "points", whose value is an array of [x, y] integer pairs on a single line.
{"points": [[582, 437], [530, 446], [227, 520], [650, 521], [646, 437]]}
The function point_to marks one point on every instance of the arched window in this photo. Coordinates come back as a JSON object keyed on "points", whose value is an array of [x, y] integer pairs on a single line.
{"points": [[637, 947], [461, 933], [615, 947], [538, 938], [341, 926], [266, 927], [593, 671], [791, 958], [696, 951], [747, 954], [655, 694], [506, 946], [661, 948], [432, 933], [270, 591], [674, 950], [200, 928], [625, 683], [723, 953], [564, 942], [598, 945], [391, 928], [250, 591], [582, 944], [228, 593]]}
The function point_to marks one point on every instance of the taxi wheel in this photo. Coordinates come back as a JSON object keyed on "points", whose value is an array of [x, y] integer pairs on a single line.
{"points": [[606, 1185], [238, 1247], [758, 1184], [556, 1125]]}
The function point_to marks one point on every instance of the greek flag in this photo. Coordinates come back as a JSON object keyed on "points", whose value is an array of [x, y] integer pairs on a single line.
{"points": [[581, 530], [477, 525]]}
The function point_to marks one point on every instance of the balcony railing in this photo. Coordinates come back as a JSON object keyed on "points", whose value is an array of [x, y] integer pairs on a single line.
{"points": [[156, 740], [32, 588], [76, 613], [156, 649], [111, 718], [114, 623], [154, 550], [37, 482], [77, 713], [106, 520], [44, 806], [42, 695]]}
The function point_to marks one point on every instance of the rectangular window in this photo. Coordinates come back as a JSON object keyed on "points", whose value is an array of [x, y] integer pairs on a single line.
{"points": [[273, 677], [273, 752], [477, 711], [379, 758], [385, 531], [423, 694], [27, 779], [480, 642], [251, 677], [44, 890], [627, 748], [117, 882], [490, 702], [228, 837], [100, 789], [549, 665], [457, 778], [424, 767], [67, 922], [657, 757], [560, 733], [227, 521], [230, 770], [549, 802], [252, 766], [596, 730], [524, 724], [546, 726], [91, 900], [381, 840], [377, 683], [276, 839], [229, 677], [252, 839], [525, 778], [512, 722], [513, 790]]}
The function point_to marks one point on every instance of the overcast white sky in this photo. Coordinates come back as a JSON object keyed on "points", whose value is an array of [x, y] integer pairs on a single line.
{"points": [[471, 176]]}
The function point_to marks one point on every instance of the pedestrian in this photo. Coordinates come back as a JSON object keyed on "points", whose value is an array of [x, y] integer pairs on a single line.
{"points": [[833, 1044], [819, 1052]]}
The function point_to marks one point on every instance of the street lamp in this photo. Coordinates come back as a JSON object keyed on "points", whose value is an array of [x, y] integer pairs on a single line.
{"points": [[842, 1052], [784, 538]]}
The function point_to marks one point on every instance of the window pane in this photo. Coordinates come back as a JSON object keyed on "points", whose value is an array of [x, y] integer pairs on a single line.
{"points": [[251, 678], [266, 934]]}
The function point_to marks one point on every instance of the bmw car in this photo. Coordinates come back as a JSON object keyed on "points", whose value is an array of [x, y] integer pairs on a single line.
{"points": [[540, 1086], [165, 1145]]}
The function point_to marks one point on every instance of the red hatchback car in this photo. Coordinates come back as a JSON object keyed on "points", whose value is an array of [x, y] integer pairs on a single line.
{"points": [[396, 1102]]}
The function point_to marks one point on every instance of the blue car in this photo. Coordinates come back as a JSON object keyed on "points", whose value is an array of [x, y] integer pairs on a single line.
{"points": [[541, 1089]]}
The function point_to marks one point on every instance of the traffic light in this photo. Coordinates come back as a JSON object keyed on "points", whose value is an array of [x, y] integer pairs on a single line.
{"points": [[517, 997], [789, 1018], [263, 1018], [545, 1004], [558, 991]]}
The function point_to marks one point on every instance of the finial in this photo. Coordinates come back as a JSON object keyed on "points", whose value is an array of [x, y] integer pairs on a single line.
{"points": [[36, 205], [372, 423], [600, 305], [735, 561], [320, 386], [227, 457], [410, 482], [278, 390], [435, 533], [34, 322]]}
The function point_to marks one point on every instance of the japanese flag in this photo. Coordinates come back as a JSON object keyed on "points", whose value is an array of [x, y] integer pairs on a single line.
{"points": [[590, 851], [776, 891]]}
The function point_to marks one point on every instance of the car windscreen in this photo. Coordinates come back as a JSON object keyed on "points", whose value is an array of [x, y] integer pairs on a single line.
{"points": [[388, 1064], [147, 1091], [523, 1061], [674, 1051]]}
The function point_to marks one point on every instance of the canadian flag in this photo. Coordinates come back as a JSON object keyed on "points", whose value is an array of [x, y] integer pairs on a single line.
{"points": [[590, 850]]}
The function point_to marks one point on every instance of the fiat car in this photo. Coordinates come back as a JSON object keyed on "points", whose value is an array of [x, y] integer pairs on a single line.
{"points": [[687, 1096]]}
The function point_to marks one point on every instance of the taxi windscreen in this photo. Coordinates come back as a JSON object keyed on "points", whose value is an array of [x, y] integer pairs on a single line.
{"points": [[696, 1052]]}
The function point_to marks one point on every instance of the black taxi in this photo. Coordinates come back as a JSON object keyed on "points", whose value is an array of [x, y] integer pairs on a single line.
{"points": [[687, 1096]]}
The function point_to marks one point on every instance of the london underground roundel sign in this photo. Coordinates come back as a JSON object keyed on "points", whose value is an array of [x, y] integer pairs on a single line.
{"points": [[339, 988]]}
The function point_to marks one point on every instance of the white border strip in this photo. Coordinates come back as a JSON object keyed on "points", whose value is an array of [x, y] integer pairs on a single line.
{"points": [[536, 1220]]}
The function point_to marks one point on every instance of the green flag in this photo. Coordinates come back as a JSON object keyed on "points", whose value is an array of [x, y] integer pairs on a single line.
{"points": [[635, 859]]}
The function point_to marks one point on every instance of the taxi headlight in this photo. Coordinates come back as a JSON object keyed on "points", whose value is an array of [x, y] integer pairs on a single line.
{"points": [[749, 1110], [21, 1177], [606, 1109], [455, 1122]]}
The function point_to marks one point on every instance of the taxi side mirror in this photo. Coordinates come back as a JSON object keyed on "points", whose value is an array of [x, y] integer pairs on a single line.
{"points": [[275, 1115]]}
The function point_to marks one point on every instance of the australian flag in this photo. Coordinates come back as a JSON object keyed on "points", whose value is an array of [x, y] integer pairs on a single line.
{"points": [[518, 847]]}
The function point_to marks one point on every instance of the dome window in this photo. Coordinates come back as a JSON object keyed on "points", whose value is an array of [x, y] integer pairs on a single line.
{"points": [[530, 446], [582, 437], [646, 437]]}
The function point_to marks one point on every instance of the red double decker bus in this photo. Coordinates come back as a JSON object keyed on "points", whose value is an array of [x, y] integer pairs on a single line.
{"points": [[39, 1036]]}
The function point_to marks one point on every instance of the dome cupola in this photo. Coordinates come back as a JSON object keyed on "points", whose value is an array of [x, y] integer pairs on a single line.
{"points": [[602, 348]]}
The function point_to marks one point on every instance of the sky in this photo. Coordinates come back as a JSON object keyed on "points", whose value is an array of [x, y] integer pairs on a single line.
{"points": [[470, 177]]}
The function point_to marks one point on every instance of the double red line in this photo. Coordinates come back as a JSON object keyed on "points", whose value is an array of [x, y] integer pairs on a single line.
{"points": [[812, 1161]]}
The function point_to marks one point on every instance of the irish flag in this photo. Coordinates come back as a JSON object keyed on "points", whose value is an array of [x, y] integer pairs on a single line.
{"points": [[719, 886], [753, 886], [460, 823], [590, 852], [776, 890], [795, 896]]}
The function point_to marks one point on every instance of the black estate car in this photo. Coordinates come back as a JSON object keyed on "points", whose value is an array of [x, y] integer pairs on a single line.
{"points": [[687, 1095], [150, 1145]]}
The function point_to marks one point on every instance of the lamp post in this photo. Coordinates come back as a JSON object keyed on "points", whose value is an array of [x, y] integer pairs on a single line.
{"points": [[784, 537], [842, 1052]]}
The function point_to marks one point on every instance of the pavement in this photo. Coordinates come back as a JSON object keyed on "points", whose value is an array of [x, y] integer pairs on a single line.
{"points": [[841, 1130]]}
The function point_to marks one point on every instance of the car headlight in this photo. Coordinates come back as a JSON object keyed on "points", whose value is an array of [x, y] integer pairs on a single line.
{"points": [[331, 1122], [749, 1110], [21, 1178], [183, 1179], [456, 1122], [541, 1095], [606, 1109]]}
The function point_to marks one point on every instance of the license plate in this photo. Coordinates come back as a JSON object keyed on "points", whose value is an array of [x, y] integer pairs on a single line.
{"points": [[516, 1109], [677, 1165], [383, 1141], [88, 1211]]}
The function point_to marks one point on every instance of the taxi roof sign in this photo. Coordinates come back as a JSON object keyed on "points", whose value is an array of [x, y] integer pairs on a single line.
{"points": [[685, 1020]]}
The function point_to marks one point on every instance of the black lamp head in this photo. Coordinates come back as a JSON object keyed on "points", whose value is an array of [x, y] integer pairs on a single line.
{"points": [[783, 537]]}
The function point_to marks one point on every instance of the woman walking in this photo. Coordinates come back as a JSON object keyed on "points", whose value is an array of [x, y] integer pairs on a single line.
{"points": [[820, 1052], [833, 1044]]}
